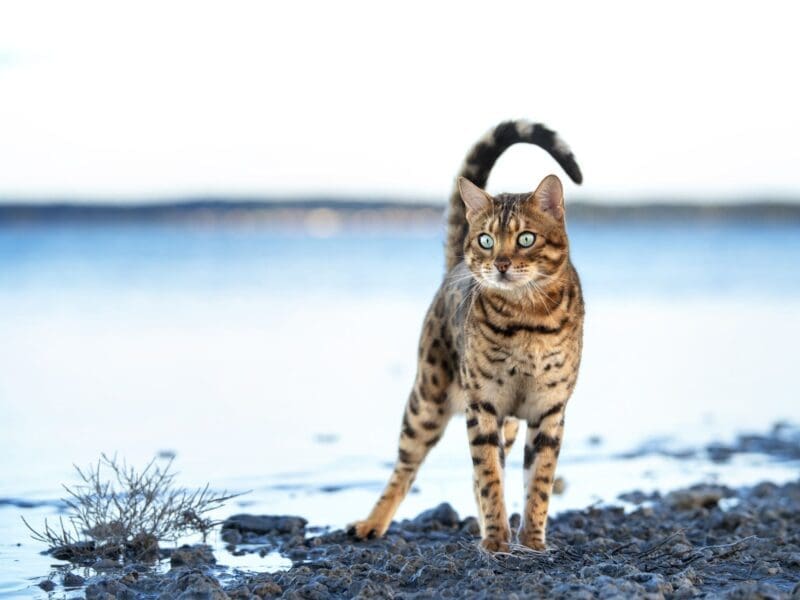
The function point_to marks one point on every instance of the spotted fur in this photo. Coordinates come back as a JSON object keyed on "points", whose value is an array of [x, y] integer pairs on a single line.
{"points": [[501, 342]]}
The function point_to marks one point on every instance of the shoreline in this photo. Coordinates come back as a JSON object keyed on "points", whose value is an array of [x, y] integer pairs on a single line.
{"points": [[701, 540]]}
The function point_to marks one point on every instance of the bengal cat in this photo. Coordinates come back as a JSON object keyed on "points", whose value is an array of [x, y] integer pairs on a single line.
{"points": [[502, 340]]}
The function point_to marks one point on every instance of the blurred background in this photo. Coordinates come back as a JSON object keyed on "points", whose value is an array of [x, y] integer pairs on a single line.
{"points": [[221, 226]]}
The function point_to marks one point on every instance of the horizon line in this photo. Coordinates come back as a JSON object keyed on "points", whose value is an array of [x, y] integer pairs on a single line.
{"points": [[259, 200], [360, 212]]}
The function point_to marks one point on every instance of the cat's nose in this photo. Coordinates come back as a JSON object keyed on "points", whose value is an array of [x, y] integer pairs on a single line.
{"points": [[502, 263]]}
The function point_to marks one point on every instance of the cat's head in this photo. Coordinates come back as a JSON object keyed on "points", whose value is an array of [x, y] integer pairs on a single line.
{"points": [[515, 241]]}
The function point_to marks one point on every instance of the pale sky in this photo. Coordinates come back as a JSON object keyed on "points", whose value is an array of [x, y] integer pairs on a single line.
{"points": [[147, 100]]}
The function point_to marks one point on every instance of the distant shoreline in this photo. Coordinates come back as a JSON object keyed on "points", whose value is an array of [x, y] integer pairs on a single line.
{"points": [[372, 213]]}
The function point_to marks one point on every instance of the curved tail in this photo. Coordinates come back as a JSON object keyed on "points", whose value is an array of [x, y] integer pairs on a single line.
{"points": [[479, 163]]}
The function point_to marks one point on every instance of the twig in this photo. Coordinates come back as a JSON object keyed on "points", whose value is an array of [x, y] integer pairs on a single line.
{"points": [[659, 544], [622, 547], [734, 548]]}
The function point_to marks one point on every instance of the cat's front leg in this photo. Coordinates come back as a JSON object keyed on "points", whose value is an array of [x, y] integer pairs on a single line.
{"points": [[543, 443], [485, 439]]}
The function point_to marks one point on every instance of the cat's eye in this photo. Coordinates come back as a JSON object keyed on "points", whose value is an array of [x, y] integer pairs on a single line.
{"points": [[526, 239], [486, 241]]}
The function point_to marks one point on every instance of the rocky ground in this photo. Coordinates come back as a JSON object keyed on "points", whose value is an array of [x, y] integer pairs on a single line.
{"points": [[703, 541]]}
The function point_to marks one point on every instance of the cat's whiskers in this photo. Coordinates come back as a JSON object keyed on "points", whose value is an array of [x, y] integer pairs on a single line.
{"points": [[535, 286], [558, 277], [548, 306], [475, 288], [456, 280], [469, 294]]}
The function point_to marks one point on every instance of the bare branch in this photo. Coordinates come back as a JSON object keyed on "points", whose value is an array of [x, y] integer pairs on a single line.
{"points": [[109, 512]]}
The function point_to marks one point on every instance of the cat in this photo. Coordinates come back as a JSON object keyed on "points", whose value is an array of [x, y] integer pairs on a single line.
{"points": [[501, 341]]}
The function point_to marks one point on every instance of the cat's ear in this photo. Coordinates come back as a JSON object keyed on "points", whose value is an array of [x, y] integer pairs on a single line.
{"points": [[549, 197], [475, 199]]}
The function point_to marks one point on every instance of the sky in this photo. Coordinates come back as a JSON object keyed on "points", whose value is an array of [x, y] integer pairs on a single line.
{"points": [[150, 100]]}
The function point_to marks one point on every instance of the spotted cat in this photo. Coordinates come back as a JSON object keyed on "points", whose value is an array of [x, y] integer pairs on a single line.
{"points": [[501, 341]]}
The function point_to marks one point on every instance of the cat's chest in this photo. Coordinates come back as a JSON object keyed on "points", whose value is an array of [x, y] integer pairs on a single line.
{"points": [[514, 363], [531, 360], [520, 345]]}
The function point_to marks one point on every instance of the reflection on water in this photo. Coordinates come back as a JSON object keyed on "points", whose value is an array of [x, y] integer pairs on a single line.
{"points": [[276, 362]]}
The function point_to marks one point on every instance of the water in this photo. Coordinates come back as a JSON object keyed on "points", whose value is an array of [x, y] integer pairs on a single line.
{"points": [[277, 362]]}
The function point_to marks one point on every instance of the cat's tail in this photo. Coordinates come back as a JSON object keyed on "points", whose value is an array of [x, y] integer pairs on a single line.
{"points": [[479, 163]]}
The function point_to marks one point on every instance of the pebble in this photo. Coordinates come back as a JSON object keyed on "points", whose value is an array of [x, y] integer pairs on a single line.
{"points": [[71, 580]]}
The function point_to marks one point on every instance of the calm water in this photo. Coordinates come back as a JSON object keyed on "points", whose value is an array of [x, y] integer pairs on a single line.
{"points": [[276, 362]]}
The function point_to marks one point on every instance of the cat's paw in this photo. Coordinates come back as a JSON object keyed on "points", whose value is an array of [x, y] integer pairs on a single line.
{"points": [[365, 530], [493, 544], [534, 541]]}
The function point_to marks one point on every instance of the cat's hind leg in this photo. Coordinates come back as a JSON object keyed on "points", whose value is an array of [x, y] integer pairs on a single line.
{"points": [[427, 413], [510, 430]]}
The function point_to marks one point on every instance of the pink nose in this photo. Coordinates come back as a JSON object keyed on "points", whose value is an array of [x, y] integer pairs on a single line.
{"points": [[502, 263]]}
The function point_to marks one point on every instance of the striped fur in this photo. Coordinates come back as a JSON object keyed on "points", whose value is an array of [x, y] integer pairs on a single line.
{"points": [[480, 160], [501, 342]]}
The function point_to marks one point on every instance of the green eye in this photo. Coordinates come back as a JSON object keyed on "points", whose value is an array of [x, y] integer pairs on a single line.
{"points": [[486, 241], [526, 239]]}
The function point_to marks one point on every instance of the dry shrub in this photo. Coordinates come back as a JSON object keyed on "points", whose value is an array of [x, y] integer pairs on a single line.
{"points": [[120, 513]]}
